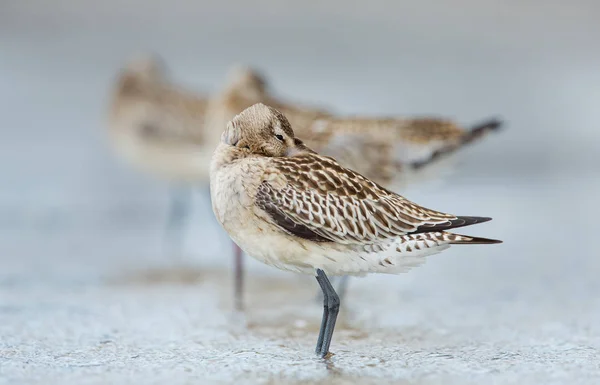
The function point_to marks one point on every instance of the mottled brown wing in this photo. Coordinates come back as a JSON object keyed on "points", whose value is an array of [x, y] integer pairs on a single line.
{"points": [[323, 201]]}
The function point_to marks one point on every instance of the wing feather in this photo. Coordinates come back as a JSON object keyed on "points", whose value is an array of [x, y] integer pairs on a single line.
{"points": [[322, 201]]}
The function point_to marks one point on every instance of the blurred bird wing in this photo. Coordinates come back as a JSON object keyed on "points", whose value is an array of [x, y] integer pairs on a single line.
{"points": [[405, 141], [427, 130]]}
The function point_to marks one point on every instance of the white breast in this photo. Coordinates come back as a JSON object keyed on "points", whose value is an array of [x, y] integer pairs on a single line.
{"points": [[225, 190]]}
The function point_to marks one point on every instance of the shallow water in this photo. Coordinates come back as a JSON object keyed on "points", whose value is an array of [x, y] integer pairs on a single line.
{"points": [[88, 294]]}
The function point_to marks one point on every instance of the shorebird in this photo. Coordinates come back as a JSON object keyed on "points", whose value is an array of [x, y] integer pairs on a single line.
{"points": [[291, 208], [159, 127], [395, 152]]}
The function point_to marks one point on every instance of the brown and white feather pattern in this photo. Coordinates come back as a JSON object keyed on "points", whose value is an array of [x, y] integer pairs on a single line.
{"points": [[306, 211], [341, 205], [314, 198]]}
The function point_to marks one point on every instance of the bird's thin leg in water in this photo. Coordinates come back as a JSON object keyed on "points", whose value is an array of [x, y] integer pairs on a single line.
{"points": [[239, 277], [331, 307], [179, 210]]}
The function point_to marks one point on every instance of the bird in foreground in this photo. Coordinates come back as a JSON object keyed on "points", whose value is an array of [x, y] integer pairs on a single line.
{"points": [[394, 152], [296, 210], [158, 127]]}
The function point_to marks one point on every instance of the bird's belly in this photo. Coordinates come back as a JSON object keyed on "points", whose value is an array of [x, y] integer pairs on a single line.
{"points": [[270, 246], [261, 243]]}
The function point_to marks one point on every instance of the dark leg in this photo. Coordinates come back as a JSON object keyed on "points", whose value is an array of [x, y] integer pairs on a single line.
{"points": [[176, 221], [239, 277], [331, 307], [342, 287], [325, 295]]}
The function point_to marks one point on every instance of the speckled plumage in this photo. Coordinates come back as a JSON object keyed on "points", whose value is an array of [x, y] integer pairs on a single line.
{"points": [[294, 209], [297, 210]]}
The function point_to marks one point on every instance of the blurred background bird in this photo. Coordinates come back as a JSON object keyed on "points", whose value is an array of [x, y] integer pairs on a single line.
{"points": [[157, 127], [246, 86], [394, 151]]}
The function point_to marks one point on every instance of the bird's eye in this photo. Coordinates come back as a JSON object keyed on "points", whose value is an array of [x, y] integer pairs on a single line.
{"points": [[247, 147], [279, 137]]}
